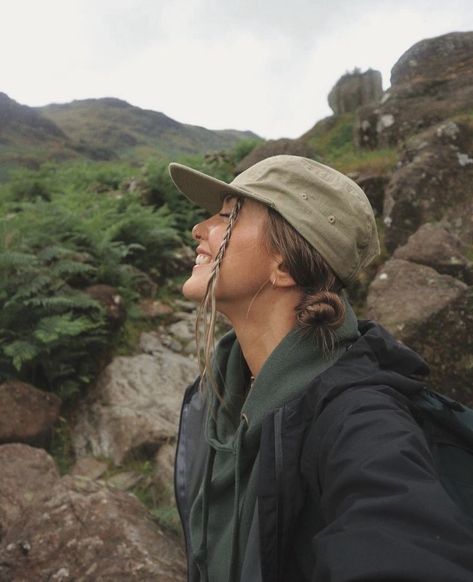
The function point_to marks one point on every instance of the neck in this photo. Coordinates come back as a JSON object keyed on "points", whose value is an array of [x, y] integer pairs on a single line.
{"points": [[262, 328]]}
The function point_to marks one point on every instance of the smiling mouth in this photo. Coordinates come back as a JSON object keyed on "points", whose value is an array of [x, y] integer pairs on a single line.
{"points": [[203, 259]]}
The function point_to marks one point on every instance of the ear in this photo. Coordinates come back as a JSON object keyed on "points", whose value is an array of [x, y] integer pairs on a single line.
{"points": [[279, 275]]}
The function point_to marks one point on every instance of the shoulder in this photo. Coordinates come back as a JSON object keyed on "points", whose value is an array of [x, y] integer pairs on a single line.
{"points": [[366, 425]]}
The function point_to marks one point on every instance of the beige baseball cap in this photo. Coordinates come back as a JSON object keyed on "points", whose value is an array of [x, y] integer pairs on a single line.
{"points": [[327, 208]]}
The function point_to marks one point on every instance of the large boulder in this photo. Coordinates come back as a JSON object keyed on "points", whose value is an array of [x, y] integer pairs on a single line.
{"points": [[354, 90], [27, 475], [431, 313], [431, 82], [135, 405], [85, 531], [434, 182], [435, 246], [27, 415]]}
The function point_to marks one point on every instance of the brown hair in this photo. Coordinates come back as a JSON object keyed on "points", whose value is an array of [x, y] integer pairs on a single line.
{"points": [[321, 309]]}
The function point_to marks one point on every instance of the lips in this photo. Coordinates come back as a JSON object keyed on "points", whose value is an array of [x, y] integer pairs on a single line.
{"points": [[203, 257]]}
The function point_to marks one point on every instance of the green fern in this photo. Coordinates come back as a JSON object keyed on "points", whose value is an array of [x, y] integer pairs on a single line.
{"points": [[53, 328], [21, 352]]}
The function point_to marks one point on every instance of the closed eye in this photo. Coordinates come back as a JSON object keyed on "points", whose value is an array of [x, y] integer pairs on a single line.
{"points": [[225, 214]]}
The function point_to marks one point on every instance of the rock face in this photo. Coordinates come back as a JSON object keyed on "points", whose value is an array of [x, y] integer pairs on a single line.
{"points": [[434, 246], [85, 531], [431, 82], [27, 414], [135, 405], [433, 183], [431, 313], [354, 90], [274, 147], [27, 475]]}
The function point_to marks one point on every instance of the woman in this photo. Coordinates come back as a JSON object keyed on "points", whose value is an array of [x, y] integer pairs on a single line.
{"points": [[276, 478]]}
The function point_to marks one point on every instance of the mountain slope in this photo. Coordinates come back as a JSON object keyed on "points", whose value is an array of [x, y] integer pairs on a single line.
{"points": [[130, 131], [98, 129]]}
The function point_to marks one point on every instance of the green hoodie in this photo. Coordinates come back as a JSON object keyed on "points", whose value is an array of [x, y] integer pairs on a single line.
{"points": [[223, 509]]}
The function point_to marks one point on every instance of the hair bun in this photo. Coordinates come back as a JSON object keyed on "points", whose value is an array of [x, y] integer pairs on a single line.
{"points": [[322, 309]]}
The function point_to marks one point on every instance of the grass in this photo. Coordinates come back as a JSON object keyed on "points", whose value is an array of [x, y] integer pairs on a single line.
{"points": [[333, 141], [60, 447]]}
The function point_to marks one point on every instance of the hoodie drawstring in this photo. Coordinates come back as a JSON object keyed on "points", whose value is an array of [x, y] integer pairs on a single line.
{"points": [[202, 552]]}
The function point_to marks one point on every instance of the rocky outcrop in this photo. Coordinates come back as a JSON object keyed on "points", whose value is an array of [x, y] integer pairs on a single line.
{"points": [[435, 246], [431, 313], [432, 183], [86, 531], [274, 147], [27, 415], [135, 404], [431, 82], [354, 90], [27, 475]]}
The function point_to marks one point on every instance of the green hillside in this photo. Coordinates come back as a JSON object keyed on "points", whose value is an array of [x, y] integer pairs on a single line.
{"points": [[99, 130], [132, 132]]}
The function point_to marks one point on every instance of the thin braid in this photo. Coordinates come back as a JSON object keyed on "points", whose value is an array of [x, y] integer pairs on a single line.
{"points": [[207, 312]]}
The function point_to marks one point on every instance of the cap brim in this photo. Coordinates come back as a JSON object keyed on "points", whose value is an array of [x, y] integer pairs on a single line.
{"points": [[203, 190]]}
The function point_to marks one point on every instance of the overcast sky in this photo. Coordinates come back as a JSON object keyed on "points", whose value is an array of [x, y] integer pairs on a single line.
{"points": [[263, 65]]}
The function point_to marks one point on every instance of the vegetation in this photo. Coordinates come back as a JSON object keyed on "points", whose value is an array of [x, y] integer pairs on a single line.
{"points": [[332, 140], [66, 228]]}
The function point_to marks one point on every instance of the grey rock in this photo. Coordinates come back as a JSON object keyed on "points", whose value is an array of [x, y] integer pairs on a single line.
{"points": [[27, 475], [183, 331], [85, 531], [134, 406], [437, 88], [27, 415], [435, 246], [151, 343], [125, 480], [431, 186], [89, 467], [354, 90], [431, 313]]}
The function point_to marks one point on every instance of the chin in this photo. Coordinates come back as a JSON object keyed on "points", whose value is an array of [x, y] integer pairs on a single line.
{"points": [[193, 291]]}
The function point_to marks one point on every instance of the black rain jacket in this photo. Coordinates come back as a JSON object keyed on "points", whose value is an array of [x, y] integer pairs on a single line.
{"points": [[348, 491]]}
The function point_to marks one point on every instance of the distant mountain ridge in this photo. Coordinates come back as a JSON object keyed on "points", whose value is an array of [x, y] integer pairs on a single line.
{"points": [[100, 129]]}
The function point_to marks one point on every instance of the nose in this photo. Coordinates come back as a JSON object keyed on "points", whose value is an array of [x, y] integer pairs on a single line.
{"points": [[197, 231], [200, 230]]}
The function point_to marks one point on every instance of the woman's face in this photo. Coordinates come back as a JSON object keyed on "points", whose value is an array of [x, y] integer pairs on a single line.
{"points": [[247, 265]]}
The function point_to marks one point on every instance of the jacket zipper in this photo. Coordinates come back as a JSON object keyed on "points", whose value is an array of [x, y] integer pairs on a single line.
{"points": [[185, 403], [279, 460]]}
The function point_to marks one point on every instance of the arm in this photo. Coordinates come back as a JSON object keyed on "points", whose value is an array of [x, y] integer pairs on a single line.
{"points": [[387, 517]]}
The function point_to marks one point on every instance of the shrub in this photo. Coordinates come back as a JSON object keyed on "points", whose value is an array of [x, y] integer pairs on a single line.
{"points": [[52, 333]]}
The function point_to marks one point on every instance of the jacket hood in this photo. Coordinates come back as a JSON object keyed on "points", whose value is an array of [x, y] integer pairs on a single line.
{"points": [[375, 358]]}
